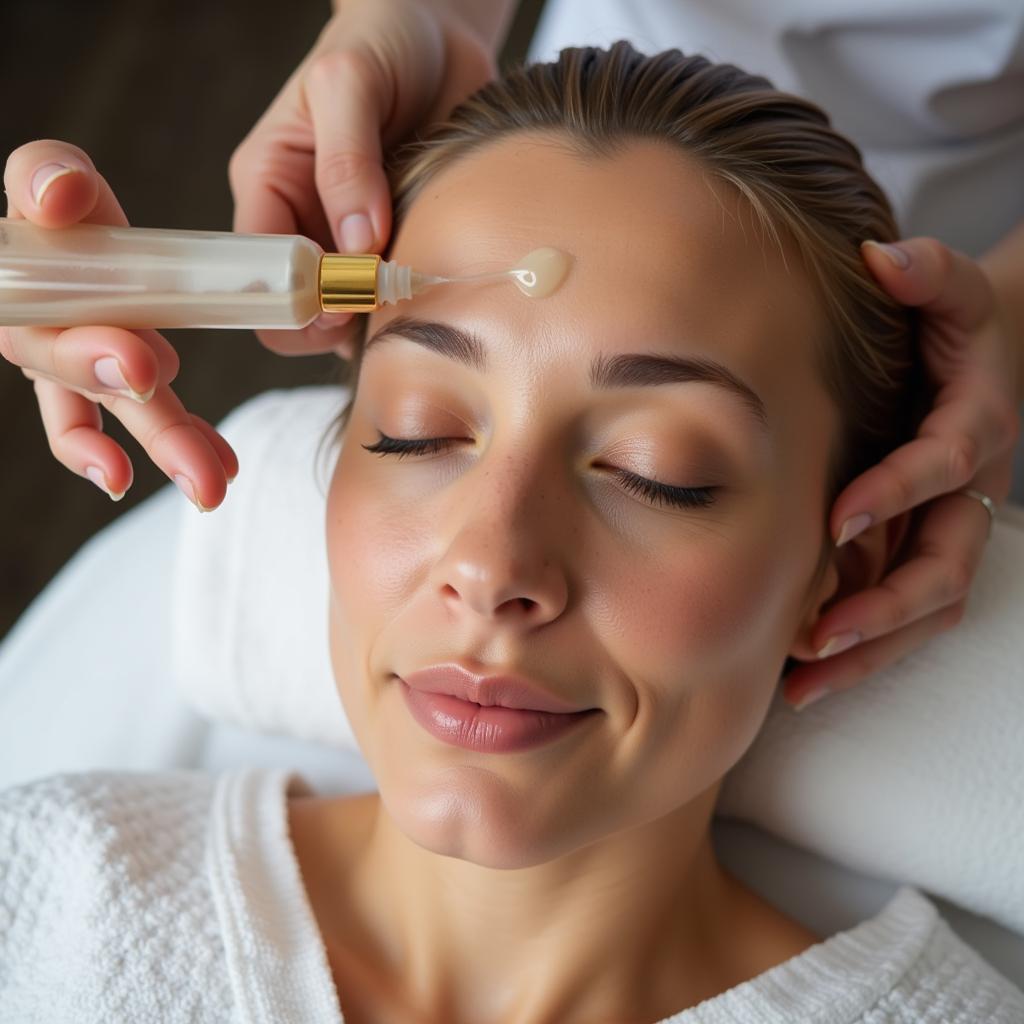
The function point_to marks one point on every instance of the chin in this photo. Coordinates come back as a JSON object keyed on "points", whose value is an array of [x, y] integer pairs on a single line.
{"points": [[482, 820]]}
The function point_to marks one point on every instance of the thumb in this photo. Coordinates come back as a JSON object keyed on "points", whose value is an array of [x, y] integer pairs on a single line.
{"points": [[348, 100], [943, 282]]}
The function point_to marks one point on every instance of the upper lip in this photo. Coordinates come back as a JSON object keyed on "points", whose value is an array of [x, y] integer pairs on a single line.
{"points": [[506, 691]]}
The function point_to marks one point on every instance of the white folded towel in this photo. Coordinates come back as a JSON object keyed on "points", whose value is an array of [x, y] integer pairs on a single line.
{"points": [[915, 775], [249, 620]]}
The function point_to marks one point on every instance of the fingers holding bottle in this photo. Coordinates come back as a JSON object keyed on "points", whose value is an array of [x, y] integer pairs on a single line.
{"points": [[184, 446], [313, 163], [92, 360], [55, 185]]}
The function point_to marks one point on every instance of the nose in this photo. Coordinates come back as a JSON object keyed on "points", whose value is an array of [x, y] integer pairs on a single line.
{"points": [[501, 563], [494, 586]]}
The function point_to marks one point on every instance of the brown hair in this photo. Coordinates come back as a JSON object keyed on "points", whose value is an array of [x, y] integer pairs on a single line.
{"points": [[802, 179]]}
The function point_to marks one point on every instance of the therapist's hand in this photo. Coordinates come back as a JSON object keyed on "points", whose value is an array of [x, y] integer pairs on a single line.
{"points": [[54, 185], [312, 164], [967, 440]]}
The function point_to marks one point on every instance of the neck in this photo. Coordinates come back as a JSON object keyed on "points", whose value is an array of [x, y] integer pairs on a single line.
{"points": [[636, 925]]}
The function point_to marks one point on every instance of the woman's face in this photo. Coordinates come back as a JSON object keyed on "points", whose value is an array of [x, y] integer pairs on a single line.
{"points": [[674, 621]]}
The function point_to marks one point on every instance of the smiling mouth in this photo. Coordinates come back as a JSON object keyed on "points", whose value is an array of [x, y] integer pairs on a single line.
{"points": [[488, 728]]}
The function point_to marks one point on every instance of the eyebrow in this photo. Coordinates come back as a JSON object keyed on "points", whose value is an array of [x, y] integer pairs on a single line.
{"points": [[637, 369]]}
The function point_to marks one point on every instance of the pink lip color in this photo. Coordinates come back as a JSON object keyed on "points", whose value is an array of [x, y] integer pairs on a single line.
{"points": [[491, 730]]}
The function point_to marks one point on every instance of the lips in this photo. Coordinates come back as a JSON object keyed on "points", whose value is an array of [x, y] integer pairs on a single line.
{"points": [[506, 691], [493, 729]]}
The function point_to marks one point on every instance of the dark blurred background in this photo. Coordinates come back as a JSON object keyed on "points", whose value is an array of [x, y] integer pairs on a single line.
{"points": [[159, 93]]}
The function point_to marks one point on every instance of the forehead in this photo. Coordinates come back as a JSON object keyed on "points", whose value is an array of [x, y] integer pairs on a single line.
{"points": [[662, 252]]}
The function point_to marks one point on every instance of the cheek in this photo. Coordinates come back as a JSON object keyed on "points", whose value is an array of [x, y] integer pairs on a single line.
{"points": [[708, 608], [372, 553], [700, 635], [373, 548]]}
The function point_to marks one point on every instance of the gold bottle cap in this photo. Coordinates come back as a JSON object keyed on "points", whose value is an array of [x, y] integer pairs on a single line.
{"points": [[348, 284]]}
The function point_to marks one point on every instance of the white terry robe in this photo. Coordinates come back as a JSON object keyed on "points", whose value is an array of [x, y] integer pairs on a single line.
{"points": [[174, 897]]}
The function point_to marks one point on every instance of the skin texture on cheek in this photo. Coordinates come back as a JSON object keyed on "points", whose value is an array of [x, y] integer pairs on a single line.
{"points": [[373, 551], [695, 637]]}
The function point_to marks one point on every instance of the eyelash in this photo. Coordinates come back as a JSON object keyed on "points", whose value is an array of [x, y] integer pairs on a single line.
{"points": [[652, 490]]}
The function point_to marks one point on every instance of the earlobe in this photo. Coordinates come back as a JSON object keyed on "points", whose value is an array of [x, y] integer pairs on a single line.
{"points": [[856, 566]]}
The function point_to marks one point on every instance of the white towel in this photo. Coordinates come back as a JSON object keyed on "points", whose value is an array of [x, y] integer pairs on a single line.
{"points": [[249, 619], [916, 775]]}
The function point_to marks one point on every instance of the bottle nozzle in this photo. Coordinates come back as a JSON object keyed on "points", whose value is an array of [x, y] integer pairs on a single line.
{"points": [[362, 283]]}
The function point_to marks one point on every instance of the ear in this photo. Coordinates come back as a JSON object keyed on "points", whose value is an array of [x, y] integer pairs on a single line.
{"points": [[858, 565]]}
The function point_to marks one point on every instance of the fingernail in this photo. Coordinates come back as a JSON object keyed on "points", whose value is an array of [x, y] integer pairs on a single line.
{"points": [[186, 488], [810, 697], [96, 475], [853, 526], [45, 176], [109, 373], [141, 397], [900, 257], [356, 233], [328, 321], [839, 643]]}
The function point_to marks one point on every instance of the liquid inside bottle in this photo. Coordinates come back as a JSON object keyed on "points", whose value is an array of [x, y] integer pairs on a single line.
{"points": [[155, 277]]}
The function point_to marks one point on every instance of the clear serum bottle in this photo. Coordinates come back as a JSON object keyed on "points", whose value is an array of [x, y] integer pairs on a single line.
{"points": [[169, 278], [165, 278]]}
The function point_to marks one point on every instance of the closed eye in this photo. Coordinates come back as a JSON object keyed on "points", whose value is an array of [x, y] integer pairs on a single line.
{"points": [[653, 491]]}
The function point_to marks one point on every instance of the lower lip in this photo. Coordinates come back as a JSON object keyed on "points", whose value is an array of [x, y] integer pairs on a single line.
{"points": [[491, 730]]}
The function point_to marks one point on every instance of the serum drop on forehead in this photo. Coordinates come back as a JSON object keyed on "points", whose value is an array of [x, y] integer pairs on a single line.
{"points": [[540, 272], [537, 274]]}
